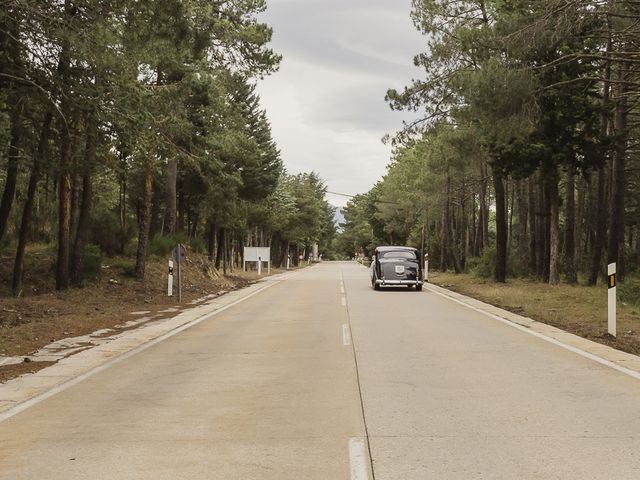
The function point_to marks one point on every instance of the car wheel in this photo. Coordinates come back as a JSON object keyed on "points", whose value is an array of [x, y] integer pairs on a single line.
{"points": [[418, 288], [375, 285]]}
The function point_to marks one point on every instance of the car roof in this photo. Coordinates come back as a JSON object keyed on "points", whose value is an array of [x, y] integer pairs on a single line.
{"points": [[388, 248]]}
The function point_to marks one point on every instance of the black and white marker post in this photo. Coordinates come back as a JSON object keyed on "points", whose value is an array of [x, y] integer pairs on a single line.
{"points": [[612, 299], [425, 274]]}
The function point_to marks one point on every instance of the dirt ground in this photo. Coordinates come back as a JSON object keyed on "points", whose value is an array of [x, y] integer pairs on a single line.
{"points": [[580, 310], [42, 315]]}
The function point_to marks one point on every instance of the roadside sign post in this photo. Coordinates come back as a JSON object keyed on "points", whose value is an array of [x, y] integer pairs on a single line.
{"points": [[612, 299], [179, 255], [170, 280], [426, 267], [256, 254]]}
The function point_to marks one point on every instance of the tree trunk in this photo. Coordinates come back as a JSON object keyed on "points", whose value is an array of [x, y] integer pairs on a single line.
{"points": [[581, 247], [570, 230], [18, 266], [12, 63], [484, 205], [64, 211], [444, 237], [76, 194], [145, 223], [546, 230], [64, 175], [554, 232], [601, 214], [211, 240], [122, 201], [533, 228], [9, 192], [521, 224], [615, 250], [220, 249], [600, 228], [84, 218], [170, 217], [501, 228]]}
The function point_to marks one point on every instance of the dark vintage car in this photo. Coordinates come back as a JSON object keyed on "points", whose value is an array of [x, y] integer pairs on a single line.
{"points": [[396, 266]]}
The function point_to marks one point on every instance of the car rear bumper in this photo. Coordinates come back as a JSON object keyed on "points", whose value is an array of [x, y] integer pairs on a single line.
{"points": [[398, 282]]}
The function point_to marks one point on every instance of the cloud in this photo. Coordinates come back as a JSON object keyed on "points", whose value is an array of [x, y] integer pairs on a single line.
{"points": [[326, 104]]}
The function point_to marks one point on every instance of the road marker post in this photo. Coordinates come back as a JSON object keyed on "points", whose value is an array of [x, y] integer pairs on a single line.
{"points": [[259, 266], [611, 284], [425, 274], [170, 280]]}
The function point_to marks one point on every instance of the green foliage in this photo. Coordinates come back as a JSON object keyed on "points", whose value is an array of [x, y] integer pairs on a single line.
{"points": [[107, 232], [92, 263], [162, 246], [484, 266], [197, 245], [629, 290]]}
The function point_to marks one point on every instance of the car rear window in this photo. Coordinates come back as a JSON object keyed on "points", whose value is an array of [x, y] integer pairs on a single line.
{"points": [[398, 254]]}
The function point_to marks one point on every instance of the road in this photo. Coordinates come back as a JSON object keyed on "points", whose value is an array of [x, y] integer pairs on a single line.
{"points": [[320, 377]]}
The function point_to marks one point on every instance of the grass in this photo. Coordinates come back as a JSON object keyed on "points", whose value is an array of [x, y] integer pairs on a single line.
{"points": [[580, 310]]}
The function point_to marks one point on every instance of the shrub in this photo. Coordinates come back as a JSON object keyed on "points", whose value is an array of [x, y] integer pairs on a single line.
{"points": [[162, 245], [198, 245], [92, 262], [629, 290], [107, 234], [485, 265]]}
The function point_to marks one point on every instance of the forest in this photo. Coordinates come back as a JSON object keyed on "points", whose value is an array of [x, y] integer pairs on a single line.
{"points": [[128, 126], [523, 160]]}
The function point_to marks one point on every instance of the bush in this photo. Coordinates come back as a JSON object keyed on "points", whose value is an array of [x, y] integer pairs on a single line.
{"points": [[629, 290], [485, 265], [198, 245], [92, 263], [106, 232], [162, 245]]}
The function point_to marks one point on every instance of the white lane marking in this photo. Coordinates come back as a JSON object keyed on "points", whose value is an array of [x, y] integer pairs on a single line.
{"points": [[582, 353], [346, 335], [358, 459], [342, 289], [61, 388], [344, 302]]}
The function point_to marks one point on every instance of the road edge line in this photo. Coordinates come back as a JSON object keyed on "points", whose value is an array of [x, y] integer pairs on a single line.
{"points": [[603, 361], [26, 404]]}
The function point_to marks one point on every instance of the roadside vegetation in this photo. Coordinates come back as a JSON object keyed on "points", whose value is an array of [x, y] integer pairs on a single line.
{"points": [[521, 176], [579, 310], [129, 126], [523, 162]]}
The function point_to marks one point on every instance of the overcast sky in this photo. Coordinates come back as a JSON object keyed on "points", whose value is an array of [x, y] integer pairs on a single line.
{"points": [[326, 104]]}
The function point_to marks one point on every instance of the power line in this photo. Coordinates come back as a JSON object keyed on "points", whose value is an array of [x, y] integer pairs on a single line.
{"points": [[342, 194]]}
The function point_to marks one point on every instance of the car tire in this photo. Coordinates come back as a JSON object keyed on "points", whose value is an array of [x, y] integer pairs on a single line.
{"points": [[418, 288]]}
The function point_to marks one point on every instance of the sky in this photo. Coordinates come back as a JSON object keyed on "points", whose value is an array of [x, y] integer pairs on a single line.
{"points": [[326, 103]]}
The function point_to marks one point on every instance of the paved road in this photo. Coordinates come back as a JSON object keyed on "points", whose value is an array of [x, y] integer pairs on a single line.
{"points": [[271, 389]]}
